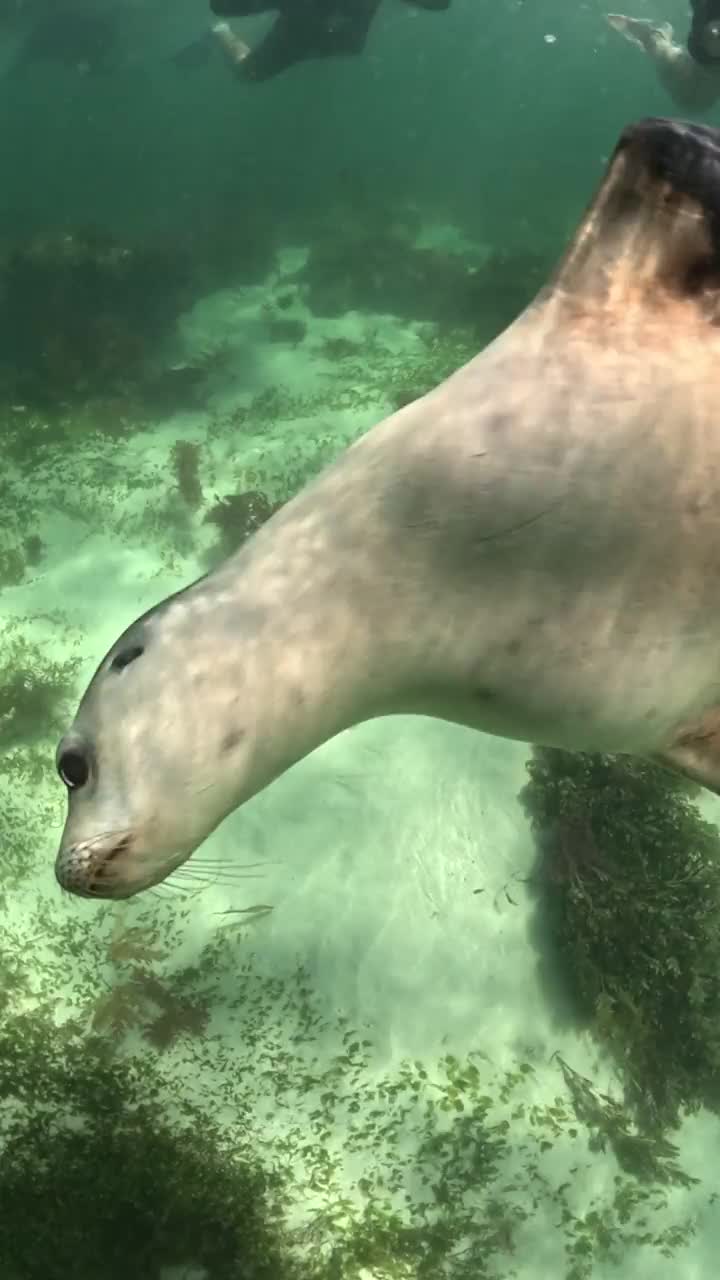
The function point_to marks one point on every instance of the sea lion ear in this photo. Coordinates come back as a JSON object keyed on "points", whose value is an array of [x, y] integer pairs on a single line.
{"points": [[695, 753], [652, 232]]}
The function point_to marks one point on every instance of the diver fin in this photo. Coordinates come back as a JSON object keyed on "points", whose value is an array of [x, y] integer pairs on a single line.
{"points": [[194, 55], [695, 753], [652, 233]]}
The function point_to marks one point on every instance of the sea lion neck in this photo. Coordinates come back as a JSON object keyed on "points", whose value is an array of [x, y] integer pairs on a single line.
{"points": [[650, 240], [297, 602]]}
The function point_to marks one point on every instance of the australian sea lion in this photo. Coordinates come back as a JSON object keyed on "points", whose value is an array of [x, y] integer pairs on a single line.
{"points": [[532, 549], [690, 75]]}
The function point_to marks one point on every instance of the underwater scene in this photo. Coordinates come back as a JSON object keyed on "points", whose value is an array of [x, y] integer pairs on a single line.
{"points": [[313, 991]]}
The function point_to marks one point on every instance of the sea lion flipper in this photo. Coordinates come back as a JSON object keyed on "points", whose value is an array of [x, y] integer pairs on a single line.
{"points": [[652, 232], [695, 753]]}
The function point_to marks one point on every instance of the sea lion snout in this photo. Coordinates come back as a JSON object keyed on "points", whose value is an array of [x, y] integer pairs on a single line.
{"points": [[112, 866], [90, 868]]}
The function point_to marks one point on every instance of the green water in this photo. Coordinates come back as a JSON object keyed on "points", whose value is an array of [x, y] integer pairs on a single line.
{"points": [[430, 1007]]}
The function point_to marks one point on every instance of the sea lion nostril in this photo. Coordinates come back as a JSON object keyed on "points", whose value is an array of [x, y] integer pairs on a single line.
{"points": [[71, 870]]}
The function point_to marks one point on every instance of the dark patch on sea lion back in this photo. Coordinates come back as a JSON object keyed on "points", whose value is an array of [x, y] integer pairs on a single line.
{"points": [[498, 425], [657, 208], [685, 156]]}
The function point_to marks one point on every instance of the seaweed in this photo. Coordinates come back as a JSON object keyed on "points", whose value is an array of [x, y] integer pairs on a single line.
{"points": [[237, 237], [79, 312], [16, 557], [340, 348], [647, 1157], [285, 329], [442, 355], [120, 1189], [237, 516], [628, 875], [34, 697], [383, 270], [277, 1149], [13, 566], [185, 459], [34, 691], [161, 1010]]}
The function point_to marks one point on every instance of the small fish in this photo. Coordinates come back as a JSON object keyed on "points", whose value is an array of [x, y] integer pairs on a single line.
{"points": [[254, 913]]}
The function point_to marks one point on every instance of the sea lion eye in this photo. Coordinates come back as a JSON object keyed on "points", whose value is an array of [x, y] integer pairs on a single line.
{"points": [[73, 769], [126, 656]]}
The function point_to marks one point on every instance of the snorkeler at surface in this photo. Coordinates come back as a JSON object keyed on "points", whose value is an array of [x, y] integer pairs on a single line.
{"points": [[303, 29], [690, 75]]}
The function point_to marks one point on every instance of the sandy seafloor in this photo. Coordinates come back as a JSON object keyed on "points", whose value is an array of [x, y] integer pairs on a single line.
{"points": [[393, 857]]}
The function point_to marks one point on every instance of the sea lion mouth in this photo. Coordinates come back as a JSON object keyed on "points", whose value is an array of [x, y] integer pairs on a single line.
{"points": [[106, 866]]}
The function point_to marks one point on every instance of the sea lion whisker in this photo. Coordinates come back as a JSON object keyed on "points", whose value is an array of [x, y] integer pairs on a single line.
{"points": [[112, 836], [224, 867], [214, 877], [219, 879], [180, 890], [198, 860]]}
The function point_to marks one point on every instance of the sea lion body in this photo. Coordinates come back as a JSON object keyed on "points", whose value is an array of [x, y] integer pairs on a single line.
{"points": [[533, 549]]}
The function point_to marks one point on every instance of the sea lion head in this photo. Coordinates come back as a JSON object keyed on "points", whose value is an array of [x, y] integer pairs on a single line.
{"points": [[143, 759]]}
